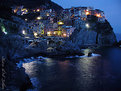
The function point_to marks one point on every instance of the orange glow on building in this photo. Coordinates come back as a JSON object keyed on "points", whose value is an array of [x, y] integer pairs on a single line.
{"points": [[87, 12], [15, 10], [98, 15]]}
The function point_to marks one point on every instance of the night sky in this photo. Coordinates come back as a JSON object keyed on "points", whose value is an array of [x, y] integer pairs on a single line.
{"points": [[112, 9]]}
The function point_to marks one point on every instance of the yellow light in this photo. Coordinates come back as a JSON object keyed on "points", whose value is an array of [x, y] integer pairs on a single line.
{"points": [[38, 10], [38, 18], [98, 15], [25, 10], [54, 32], [48, 33], [87, 13], [60, 23]]}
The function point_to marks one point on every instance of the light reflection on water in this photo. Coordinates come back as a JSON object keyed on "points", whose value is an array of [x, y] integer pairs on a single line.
{"points": [[81, 74]]}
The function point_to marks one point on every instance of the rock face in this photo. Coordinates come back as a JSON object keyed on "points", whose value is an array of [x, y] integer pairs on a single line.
{"points": [[100, 34], [85, 38], [15, 78]]}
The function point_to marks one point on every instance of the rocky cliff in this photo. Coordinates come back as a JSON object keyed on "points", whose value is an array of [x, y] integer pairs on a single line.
{"points": [[98, 34]]}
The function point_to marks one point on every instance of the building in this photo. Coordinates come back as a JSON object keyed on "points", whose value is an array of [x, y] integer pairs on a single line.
{"points": [[82, 13], [19, 10]]}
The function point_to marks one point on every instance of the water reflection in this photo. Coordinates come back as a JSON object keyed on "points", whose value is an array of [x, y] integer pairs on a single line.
{"points": [[80, 74]]}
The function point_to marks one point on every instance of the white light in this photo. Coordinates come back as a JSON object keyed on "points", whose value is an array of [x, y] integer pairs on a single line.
{"points": [[23, 32], [35, 34], [27, 37], [87, 10], [5, 32], [54, 32], [87, 25], [25, 19], [38, 18], [48, 33], [38, 10]]}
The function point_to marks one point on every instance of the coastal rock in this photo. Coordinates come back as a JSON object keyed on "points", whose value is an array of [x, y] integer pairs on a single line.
{"points": [[15, 78], [85, 38], [100, 34]]}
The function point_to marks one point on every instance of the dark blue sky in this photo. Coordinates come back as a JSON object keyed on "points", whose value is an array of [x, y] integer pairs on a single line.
{"points": [[112, 9]]}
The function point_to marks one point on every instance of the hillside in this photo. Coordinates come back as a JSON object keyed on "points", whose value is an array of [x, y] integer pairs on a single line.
{"points": [[5, 6]]}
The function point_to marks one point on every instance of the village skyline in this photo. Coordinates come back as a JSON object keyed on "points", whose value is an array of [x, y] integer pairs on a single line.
{"points": [[111, 9]]}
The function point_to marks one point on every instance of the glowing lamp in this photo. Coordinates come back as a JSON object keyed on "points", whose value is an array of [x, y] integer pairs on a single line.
{"points": [[26, 19], [38, 18], [87, 25], [48, 33], [35, 34], [38, 10], [24, 32], [15, 10], [98, 15], [54, 32], [48, 14], [60, 23], [24, 10], [87, 13], [64, 34], [5, 32]]}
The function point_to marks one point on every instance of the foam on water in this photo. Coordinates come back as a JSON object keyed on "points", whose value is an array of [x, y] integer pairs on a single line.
{"points": [[77, 56]]}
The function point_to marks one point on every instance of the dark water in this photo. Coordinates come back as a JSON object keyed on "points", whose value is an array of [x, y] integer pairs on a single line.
{"points": [[77, 74]]}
